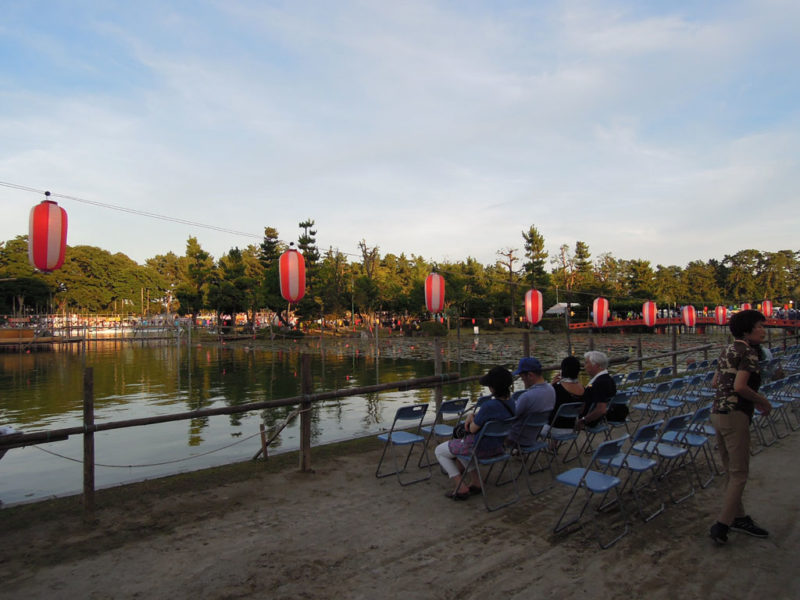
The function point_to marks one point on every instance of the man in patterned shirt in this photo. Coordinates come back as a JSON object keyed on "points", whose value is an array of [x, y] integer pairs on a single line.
{"points": [[736, 383]]}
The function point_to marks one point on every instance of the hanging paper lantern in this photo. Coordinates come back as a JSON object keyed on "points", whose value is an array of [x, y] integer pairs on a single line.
{"points": [[650, 313], [47, 236], [434, 292], [745, 306], [766, 308], [720, 315], [600, 310], [292, 271], [689, 316], [533, 306]]}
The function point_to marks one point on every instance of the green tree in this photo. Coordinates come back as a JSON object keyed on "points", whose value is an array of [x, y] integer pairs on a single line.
{"points": [[200, 270], [699, 284], [535, 258]]}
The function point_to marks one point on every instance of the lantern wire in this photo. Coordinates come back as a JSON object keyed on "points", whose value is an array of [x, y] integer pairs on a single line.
{"points": [[141, 213], [438, 267]]}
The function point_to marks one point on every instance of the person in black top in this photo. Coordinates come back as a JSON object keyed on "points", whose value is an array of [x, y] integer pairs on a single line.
{"points": [[599, 391]]}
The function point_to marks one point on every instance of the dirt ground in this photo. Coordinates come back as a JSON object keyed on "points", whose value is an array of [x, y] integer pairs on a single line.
{"points": [[266, 530]]}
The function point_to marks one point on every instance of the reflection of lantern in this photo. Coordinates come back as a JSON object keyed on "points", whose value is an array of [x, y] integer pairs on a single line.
{"points": [[766, 308], [720, 315], [47, 236], [745, 306], [649, 313], [689, 316], [292, 271], [533, 306], [434, 292], [600, 310]]}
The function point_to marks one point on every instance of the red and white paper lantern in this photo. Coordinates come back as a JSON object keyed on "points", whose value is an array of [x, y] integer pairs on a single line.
{"points": [[766, 308], [746, 306], [720, 315], [650, 313], [689, 316], [47, 236], [292, 272], [533, 306], [434, 293], [600, 312]]}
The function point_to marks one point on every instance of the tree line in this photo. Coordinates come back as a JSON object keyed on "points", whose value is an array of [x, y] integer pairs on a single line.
{"points": [[246, 280]]}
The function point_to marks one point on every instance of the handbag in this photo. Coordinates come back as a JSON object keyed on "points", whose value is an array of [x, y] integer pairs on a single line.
{"points": [[459, 431]]}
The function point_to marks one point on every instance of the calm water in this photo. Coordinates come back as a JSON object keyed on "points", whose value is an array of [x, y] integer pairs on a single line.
{"points": [[44, 390]]}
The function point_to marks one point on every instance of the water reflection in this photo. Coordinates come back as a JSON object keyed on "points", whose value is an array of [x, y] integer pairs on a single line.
{"points": [[44, 390]]}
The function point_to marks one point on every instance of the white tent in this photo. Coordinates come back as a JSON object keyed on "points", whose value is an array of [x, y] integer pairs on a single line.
{"points": [[560, 308]]}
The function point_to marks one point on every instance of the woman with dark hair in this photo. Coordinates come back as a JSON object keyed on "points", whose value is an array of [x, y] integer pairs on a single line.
{"points": [[568, 389], [454, 453], [736, 396]]}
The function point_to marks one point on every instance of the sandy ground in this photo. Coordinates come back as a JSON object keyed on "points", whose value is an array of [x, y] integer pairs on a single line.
{"points": [[269, 531]]}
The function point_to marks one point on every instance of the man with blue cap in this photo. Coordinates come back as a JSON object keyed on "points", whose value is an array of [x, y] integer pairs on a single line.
{"points": [[538, 397]]}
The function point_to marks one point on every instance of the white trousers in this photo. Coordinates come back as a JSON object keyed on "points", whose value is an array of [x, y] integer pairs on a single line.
{"points": [[448, 460]]}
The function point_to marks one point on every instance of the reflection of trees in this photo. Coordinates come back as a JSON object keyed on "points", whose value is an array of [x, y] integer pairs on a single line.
{"points": [[196, 426]]}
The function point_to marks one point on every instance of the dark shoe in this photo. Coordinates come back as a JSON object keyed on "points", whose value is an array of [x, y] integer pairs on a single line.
{"points": [[719, 533], [457, 496], [475, 489], [746, 525]]}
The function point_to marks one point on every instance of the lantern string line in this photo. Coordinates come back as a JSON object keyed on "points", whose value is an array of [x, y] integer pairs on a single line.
{"points": [[143, 213]]}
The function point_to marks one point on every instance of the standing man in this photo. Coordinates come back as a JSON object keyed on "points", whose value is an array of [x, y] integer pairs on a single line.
{"points": [[599, 391], [736, 397], [538, 397]]}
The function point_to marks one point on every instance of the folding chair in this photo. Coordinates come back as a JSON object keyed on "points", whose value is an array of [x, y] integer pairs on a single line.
{"points": [[530, 454], [594, 480], [672, 454], [651, 407], [398, 437], [696, 440], [439, 429], [592, 431], [614, 413], [570, 410], [637, 465], [490, 429]]}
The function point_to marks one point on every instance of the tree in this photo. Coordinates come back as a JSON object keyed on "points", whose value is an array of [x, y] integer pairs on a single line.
{"points": [[564, 274], [741, 283], [583, 267], [307, 243], [608, 275], [508, 263], [669, 285], [699, 284], [535, 255], [200, 270], [640, 279]]}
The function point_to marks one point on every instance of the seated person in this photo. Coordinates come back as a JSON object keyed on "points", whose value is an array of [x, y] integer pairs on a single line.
{"points": [[568, 389], [538, 397], [454, 453], [599, 391]]}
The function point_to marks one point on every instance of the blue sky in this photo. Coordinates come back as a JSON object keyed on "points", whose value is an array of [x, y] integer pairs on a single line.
{"points": [[668, 131]]}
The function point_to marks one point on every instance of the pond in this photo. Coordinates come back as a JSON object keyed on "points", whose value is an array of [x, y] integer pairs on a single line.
{"points": [[44, 390]]}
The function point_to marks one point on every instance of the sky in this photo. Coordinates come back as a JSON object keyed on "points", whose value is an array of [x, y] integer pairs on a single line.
{"points": [[663, 131]]}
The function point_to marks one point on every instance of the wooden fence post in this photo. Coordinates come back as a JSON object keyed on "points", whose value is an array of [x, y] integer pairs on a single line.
{"points": [[88, 442], [675, 349], [305, 414], [639, 353]]}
